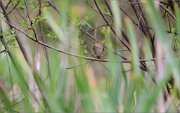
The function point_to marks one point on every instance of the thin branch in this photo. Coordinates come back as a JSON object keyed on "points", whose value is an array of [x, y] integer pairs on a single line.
{"points": [[97, 27], [88, 35], [53, 6], [12, 8], [97, 11], [79, 65], [108, 6], [2, 51], [168, 12], [8, 4]]}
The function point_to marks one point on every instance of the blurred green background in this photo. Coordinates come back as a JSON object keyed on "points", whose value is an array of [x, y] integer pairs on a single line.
{"points": [[47, 62]]}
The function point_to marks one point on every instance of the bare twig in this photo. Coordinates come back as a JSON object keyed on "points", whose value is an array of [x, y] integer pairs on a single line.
{"points": [[108, 6], [8, 4], [2, 51], [170, 14], [12, 8], [79, 65], [30, 21]]}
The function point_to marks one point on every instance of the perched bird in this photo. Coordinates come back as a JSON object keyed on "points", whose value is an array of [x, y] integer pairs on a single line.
{"points": [[98, 49]]}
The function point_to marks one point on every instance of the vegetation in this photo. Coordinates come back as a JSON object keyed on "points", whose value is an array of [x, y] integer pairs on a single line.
{"points": [[89, 56]]}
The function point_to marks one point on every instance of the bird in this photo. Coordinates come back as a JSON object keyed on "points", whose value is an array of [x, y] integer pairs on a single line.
{"points": [[98, 49]]}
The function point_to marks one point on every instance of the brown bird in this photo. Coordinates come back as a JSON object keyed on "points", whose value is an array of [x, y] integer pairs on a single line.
{"points": [[98, 49]]}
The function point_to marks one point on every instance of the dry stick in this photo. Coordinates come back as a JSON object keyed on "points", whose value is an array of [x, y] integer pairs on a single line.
{"points": [[74, 55], [168, 12], [108, 6], [8, 4], [2, 51], [165, 12], [12, 8], [17, 38], [110, 25]]}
